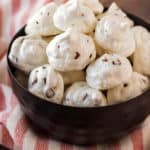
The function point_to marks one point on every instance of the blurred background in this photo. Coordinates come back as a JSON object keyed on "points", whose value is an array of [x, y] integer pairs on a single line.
{"points": [[138, 7]]}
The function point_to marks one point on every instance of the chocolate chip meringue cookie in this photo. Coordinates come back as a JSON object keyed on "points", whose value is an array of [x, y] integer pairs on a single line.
{"points": [[113, 33], [73, 76], [28, 52], [81, 95], [42, 22], [134, 87], [141, 56], [74, 14], [108, 71], [46, 83], [71, 51]]}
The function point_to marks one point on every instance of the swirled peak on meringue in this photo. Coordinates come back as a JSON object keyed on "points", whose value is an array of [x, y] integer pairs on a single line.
{"points": [[75, 14], [42, 22]]}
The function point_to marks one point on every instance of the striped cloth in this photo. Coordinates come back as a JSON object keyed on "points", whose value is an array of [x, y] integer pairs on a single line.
{"points": [[14, 132]]}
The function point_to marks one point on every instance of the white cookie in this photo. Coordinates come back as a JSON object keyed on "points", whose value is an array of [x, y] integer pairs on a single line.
{"points": [[113, 33], [81, 95], [42, 22], [141, 56], [46, 83], [134, 87], [108, 71], [71, 51], [73, 76], [74, 14], [95, 5], [28, 52]]}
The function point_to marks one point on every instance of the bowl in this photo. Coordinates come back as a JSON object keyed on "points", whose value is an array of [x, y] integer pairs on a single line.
{"points": [[81, 126]]}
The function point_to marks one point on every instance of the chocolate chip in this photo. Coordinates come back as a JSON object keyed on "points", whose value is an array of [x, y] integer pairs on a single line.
{"points": [[118, 62], [37, 22], [144, 80], [58, 46], [94, 31], [48, 14], [125, 85], [34, 82], [44, 67], [90, 56], [115, 14], [16, 59], [82, 14], [77, 55], [113, 62], [98, 19], [105, 59], [44, 79], [50, 93], [85, 96]]}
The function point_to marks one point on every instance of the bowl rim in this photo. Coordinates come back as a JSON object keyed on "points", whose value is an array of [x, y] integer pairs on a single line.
{"points": [[102, 108]]}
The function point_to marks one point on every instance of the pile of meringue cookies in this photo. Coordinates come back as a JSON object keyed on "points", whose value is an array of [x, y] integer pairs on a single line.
{"points": [[76, 54]]}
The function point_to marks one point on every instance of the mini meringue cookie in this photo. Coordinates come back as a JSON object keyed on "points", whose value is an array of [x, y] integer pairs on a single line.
{"points": [[73, 76], [81, 95], [42, 22], [108, 71], [74, 14], [135, 86], [46, 83], [94, 5], [141, 56], [71, 51], [28, 52], [113, 33]]}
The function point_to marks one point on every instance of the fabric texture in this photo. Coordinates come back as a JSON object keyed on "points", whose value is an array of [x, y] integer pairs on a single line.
{"points": [[14, 132]]}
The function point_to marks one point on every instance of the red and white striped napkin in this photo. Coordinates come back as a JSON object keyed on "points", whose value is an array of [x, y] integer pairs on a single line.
{"points": [[14, 132]]}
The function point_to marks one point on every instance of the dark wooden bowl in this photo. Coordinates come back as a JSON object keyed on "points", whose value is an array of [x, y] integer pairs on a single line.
{"points": [[81, 126]]}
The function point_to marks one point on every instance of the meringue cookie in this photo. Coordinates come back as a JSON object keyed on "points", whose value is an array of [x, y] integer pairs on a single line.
{"points": [[73, 76], [46, 83], [134, 87], [108, 71], [74, 14], [95, 5], [28, 52], [81, 95], [141, 56], [71, 51], [42, 22], [113, 33]]}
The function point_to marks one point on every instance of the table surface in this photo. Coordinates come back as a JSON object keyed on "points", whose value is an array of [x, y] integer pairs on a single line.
{"points": [[139, 8]]}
